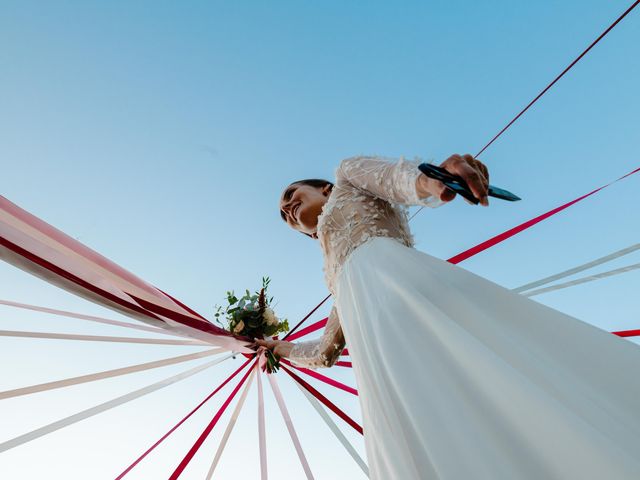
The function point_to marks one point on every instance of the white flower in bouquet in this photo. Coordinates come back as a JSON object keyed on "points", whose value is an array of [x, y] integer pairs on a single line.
{"points": [[239, 327], [270, 316], [244, 318]]}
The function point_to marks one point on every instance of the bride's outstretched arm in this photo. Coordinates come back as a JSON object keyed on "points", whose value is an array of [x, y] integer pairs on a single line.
{"points": [[395, 181], [402, 182], [323, 352]]}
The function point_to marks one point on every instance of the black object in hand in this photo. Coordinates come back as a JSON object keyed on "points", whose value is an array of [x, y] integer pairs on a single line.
{"points": [[458, 185]]}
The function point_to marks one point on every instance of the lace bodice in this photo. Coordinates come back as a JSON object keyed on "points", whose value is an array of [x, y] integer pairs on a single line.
{"points": [[370, 198]]}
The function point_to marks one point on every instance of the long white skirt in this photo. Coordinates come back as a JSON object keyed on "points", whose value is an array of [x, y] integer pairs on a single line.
{"points": [[461, 379]]}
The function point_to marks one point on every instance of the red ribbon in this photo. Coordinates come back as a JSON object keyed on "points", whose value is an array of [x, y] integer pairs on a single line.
{"points": [[523, 226], [627, 333], [343, 364], [323, 378], [310, 329]]}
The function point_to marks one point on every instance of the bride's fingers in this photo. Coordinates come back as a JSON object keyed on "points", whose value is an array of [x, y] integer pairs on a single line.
{"points": [[261, 343], [446, 194], [465, 167], [474, 179]]}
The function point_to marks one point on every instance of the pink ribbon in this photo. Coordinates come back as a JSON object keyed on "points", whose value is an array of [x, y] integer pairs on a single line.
{"points": [[262, 436]]}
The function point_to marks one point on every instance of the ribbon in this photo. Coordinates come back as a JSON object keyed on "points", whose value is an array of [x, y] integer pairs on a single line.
{"points": [[90, 318], [43, 387], [334, 428], [41, 233], [289, 423], [580, 268], [32, 245], [310, 329], [290, 332], [627, 333], [99, 338], [323, 378], [528, 224], [340, 363], [231, 424], [325, 400], [579, 281], [175, 427], [593, 44], [52, 427], [203, 436], [262, 436]]}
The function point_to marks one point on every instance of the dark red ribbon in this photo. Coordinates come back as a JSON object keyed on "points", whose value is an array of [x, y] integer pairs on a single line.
{"points": [[322, 378], [307, 316], [325, 400], [635, 4], [139, 459], [203, 436]]}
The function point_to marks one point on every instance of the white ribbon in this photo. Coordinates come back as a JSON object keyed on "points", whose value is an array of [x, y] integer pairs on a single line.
{"points": [[90, 318], [334, 428], [52, 427], [42, 387], [580, 268], [232, 422], [99, 338], [289, 423], [578, 281]]}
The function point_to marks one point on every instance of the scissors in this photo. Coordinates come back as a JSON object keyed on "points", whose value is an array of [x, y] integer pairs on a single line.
{"points": [[458, 185]]}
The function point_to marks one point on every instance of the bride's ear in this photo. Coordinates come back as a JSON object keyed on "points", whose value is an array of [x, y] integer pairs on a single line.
{"points": [[326, 190], [314, 235]]}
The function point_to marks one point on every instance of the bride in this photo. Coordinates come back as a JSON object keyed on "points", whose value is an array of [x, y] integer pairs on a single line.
{"points": [[459, 378]]}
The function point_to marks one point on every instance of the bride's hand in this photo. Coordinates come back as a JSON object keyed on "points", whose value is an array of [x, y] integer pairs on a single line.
{"points": [[472, 171], [280, 348]]}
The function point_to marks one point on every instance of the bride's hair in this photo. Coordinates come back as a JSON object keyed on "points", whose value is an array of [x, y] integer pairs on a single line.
{"points": [[314, 182]]}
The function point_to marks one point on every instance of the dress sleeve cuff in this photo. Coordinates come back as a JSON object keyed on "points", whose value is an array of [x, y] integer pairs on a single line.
{"points": [[431, 201]]}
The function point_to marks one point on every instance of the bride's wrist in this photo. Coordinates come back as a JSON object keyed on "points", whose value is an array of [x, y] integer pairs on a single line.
{"points": [[286, 348], [425, 186]]}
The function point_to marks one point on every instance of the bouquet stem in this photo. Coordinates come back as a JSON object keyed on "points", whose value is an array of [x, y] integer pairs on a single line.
{"points": [[273, 364]]}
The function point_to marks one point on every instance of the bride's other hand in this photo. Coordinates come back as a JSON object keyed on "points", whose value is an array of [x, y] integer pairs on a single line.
{"points": [[280, 348], [472, 171]]}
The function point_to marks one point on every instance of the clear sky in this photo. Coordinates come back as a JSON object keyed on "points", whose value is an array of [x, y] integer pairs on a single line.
{"points": [[162, 133]]}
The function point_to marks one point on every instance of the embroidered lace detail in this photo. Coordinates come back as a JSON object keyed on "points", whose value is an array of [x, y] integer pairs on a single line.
{"points": [[370, 198], [323, 352]]}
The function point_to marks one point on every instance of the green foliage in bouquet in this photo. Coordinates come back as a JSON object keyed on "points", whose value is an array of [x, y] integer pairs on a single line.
{"points": [[252, 316]]}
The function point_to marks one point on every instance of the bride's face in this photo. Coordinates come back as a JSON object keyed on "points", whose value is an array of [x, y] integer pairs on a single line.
{"points": [[300, 206]]}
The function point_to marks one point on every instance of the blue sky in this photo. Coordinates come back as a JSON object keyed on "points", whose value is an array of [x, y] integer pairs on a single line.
{"points": [[162, 133]]}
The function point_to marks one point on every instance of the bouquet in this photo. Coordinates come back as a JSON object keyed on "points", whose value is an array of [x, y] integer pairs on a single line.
{"points": [[252, 316]]}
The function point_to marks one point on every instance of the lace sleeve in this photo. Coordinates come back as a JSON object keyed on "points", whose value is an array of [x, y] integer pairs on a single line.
{"points": [[323, 352], [391, 181]]}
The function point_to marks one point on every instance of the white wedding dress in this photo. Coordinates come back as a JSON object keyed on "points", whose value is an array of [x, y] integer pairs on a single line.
{"points": [[460, 378]]}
